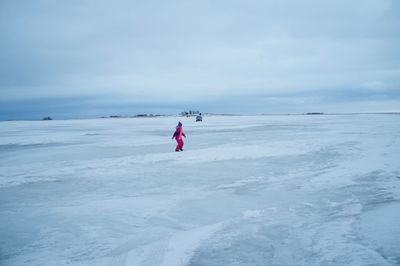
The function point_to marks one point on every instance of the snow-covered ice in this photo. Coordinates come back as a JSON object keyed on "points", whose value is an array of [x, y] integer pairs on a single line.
{"points": [[247, 190]]}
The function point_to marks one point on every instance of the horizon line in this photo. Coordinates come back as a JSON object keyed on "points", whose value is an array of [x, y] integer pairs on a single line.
{"points": [[203, 113]]}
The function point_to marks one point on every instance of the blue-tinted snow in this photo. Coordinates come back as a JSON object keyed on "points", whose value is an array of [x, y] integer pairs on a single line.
{"points": [[258, 190]]}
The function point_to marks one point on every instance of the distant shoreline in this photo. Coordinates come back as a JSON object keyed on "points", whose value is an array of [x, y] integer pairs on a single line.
{"points": [[204, 114]]}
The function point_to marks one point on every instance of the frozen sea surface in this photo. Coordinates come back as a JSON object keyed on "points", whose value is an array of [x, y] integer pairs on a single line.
{"points": [[256, 190]]}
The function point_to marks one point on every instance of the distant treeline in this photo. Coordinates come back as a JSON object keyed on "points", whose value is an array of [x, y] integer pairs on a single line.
{"points": [[190, 112]]}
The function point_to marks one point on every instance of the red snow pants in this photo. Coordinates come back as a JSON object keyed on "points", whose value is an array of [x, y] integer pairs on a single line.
{"points": [[180, 144]]}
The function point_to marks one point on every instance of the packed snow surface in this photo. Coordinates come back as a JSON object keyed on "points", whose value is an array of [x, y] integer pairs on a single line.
{"points": [[246, 190]]}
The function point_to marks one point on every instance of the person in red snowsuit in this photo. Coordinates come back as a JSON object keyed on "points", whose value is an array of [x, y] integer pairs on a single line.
{"points": [[178, 137]]}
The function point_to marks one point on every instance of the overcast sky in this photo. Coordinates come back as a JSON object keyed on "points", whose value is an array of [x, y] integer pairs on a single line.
{"points": [[92, 58]]}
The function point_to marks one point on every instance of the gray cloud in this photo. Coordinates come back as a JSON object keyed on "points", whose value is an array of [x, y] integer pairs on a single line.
{"points": [[211, 54]]}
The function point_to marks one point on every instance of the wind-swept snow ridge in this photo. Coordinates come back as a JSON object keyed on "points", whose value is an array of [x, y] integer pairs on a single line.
{"points": [[176, 250]]}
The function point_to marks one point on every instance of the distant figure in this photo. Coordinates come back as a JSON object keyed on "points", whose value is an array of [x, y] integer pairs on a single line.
{"points": [[199, 118], [178, 136]]}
